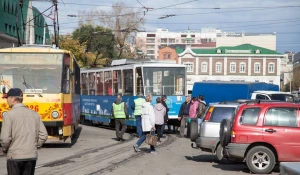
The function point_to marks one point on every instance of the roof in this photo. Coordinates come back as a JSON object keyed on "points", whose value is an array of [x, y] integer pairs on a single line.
{"points": [[240, 49], [271, 92]]}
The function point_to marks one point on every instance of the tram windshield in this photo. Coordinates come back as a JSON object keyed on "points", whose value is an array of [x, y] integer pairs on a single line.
{"points": [[32, 73], [164, 81]]}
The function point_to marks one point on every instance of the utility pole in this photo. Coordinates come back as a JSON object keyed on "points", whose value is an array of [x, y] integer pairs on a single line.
{"points": [[54, 22]]}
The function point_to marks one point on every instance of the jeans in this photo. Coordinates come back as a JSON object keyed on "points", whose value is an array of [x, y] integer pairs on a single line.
{"points": [[182, 125], [162, 129], [158, 131], [120, 122], [139, 130], [143, 138]]}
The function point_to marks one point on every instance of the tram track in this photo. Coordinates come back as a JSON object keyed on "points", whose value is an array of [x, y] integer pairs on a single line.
{"points": [[99, 160]]}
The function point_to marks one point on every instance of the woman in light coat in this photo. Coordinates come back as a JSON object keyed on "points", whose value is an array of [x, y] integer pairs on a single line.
{"points": [[148, 123]]}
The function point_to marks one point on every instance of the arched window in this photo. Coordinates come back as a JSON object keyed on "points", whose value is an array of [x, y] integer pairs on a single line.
{"points": [[218, 67], [271, 67], [256, 67], [232, 67], [204, 67], [242, 67]]}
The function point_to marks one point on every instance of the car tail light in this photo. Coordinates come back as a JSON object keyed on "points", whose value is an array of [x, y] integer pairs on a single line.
{"points": [[233, 136], [208, 114]]}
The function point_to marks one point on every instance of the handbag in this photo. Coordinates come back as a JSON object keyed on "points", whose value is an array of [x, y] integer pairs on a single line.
{"points": [[151, 139]]}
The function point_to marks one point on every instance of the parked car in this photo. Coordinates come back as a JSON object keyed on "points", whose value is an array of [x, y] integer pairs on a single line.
{"points": [[273, 95], [207, 139], [262, 134]]}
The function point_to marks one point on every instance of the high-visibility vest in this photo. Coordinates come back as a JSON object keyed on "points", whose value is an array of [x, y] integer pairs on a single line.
{"points": [[119, 110], [138, 106]]}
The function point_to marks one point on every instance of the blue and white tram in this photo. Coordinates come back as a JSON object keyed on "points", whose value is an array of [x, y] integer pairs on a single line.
{"points": [[99, 87]]}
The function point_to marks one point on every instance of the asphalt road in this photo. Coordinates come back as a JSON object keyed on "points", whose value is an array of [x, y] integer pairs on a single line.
{"points": [[95, 151]]}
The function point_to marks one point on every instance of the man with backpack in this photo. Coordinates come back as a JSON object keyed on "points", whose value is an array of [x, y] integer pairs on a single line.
{"points": [[201, 107]]}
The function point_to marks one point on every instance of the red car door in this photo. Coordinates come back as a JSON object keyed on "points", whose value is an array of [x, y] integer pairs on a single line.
{"points": [[281, 129]]}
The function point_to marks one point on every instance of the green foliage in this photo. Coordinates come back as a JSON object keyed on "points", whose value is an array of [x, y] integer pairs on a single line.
{"points": [[99, 41]]}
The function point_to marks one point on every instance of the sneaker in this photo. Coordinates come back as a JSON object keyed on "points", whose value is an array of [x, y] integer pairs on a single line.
{"points": [[136, 148], [153, 152]]}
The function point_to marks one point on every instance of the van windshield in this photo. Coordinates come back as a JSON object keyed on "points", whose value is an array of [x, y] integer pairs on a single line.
{"points": [[282, 97]]}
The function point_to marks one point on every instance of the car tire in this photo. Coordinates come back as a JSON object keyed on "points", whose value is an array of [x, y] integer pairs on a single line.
{"points": [[219, 153], [193, 129], [260, 156], [225, 132]]}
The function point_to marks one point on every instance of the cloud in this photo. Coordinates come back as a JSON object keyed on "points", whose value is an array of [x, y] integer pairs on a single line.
{"points": [[285, 21]]}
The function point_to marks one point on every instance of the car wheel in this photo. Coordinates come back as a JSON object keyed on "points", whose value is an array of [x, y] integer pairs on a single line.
{"points": [[194, 129], [225, 134], [220, 154], [260, 160]]}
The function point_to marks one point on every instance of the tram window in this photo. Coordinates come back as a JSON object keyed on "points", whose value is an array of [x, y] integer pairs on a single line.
{"points": [[92, 84], [128, 82], [66, 75], [108, 83], [139, 81], [99, 82], [84, 89], [169, 81], [117, 82]]}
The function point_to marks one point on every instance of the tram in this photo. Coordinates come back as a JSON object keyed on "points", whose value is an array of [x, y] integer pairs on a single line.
{"points": [[100, 86]]}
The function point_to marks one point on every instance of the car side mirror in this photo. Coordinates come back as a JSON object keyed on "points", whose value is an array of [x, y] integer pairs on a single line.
{"points": [[4, 90]]}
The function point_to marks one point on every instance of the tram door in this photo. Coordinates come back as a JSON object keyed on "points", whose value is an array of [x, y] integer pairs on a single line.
{"points": [[139, 81]]}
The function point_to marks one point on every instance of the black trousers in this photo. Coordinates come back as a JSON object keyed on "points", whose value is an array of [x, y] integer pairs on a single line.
{"points": [[159, 131], [20, 167], [118, 123]]}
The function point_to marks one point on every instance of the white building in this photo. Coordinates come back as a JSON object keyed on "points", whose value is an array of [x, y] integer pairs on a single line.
{"points": [[151, 42]]}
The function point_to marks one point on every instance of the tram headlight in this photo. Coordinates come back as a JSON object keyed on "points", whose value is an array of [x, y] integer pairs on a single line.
{"points": [[3, 113], [55, 114]]}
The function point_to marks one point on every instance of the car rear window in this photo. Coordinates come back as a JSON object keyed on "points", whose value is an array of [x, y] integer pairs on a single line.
{"points": [[221, 113]]}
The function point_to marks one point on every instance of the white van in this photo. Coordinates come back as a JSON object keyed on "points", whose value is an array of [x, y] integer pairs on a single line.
{"points": [[273, 95]]}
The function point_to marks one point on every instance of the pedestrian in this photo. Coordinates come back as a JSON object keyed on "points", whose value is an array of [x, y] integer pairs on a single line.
{"points": [[193, 108], [166, 117], [148, 124], [184, 114], [120, 112], [22, 133], [137, 107], [160, 112], [201, 107]]}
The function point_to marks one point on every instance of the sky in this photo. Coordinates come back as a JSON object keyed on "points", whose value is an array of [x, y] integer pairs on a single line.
{"points": [[253, 16]]}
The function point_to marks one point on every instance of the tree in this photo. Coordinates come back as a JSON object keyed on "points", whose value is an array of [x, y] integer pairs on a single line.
{"points": [[99, 41], [296, 78], [73, 45], [124, 22]]}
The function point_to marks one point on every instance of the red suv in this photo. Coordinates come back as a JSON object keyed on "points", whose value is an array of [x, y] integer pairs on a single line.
{"points": [[262, 134]]}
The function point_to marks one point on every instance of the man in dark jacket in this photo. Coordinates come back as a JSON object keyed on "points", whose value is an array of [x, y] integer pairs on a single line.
{"points": [[120, 113], [166, 117], [184, 114]]}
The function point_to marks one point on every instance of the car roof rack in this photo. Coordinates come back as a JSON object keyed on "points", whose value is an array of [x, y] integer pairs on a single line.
{"points": [[267, 101]]}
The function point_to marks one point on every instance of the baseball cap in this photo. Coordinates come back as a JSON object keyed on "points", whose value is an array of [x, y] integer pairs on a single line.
{"points": [[15, 92]]}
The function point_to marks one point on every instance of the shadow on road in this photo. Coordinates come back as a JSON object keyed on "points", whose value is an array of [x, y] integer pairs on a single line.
{"points": [[232, 166], [66, 145]]}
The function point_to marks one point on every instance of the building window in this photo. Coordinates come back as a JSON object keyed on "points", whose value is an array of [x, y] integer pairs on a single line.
{"points": [[171, 40], [177, 41], [232, 67], [164, 40], [271, 81], [256, 80], [189, 66], [204, 67], [150, 40], [256, 67], [150, 51], [169, 56], [271, 67], [218, 67], [242, 67]]}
